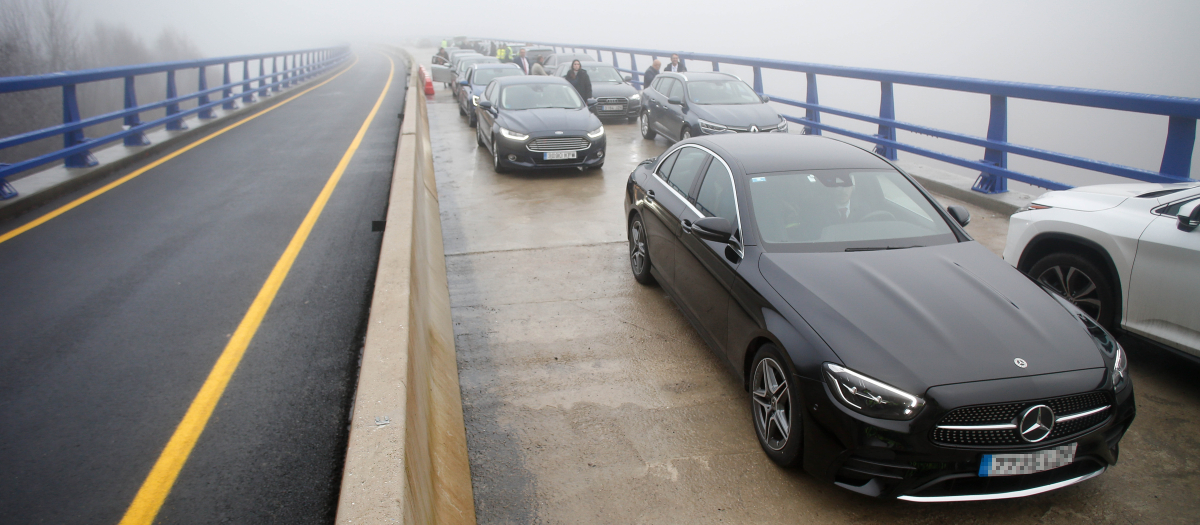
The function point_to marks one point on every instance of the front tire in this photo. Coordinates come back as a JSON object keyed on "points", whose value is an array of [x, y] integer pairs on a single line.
{"points": [[776, 408], [648, 132], [639, 251], [496, 161], [685, 134], [1081, 282]]}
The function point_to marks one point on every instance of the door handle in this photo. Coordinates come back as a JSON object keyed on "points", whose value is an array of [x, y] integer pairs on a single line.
{"points": [[650, 195], [686, 225]]}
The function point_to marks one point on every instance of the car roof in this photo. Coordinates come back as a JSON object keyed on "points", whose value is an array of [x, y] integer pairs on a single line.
{"points": [[592, 65], [773, 152], [530, 79], [496, 65], [704, 75]]}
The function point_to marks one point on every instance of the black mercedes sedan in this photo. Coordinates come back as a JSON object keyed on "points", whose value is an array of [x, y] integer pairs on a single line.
{"points": [[684, 105], [533, 122], [883, 349], [615, 96]]}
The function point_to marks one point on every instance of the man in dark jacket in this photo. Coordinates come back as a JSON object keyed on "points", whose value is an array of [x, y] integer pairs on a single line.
{"points": [[650, 73], [676, 66], [523, 62]]}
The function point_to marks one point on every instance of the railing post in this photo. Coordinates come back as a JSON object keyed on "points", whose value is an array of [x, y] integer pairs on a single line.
{"points": [[811, 98], [173, 109], [275, 74], [203, 86], [262, 78], [227, 92], [758, 87], [614, 55], [998, 132], [716, 66], [633, 66], [82, 159], [247, 94], [139, 138], [887, 111], [1177, 154], [7, 191]]}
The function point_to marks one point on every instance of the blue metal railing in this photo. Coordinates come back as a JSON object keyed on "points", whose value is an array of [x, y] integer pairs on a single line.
{"points": [[297, 66], [993, 168]]}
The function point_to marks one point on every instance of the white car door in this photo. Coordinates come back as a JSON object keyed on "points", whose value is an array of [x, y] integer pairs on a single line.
{"points": [[1164, 287]]}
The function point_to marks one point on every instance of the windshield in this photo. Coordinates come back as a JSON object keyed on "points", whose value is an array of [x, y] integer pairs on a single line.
{"points": [[531, 96], [597, 73], [836, 210], [730, 91], [467, 62], [483, 76]]}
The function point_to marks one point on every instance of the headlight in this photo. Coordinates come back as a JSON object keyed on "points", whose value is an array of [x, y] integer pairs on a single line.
{"points": [[510, 134], [635, 96], [474, 100], [1120, 366], [782, 125], [712, 127], [1034, 207], [870, 397], [596, 133]]}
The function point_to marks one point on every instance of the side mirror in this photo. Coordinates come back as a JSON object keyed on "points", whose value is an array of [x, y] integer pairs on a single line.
{"points": [[463, 83], [764, 98], [591, 102], [960, 214], [675, 101], [486, 105], [628, 78], [716, 229], [1190, 221]]}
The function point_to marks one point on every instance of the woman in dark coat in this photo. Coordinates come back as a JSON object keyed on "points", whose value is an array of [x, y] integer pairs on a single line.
{"points": [[578, 77]]}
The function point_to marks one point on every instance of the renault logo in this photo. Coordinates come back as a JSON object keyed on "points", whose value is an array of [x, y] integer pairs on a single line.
{"points": [[1020, 362], [753, 129], [1036, 423]]}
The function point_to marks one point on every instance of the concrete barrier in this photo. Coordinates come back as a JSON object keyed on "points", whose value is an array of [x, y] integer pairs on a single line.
{"points": [[407, 455]]}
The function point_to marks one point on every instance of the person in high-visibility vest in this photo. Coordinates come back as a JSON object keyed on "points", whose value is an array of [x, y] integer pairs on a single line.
{"points": [[502, 53], [444, 43]]}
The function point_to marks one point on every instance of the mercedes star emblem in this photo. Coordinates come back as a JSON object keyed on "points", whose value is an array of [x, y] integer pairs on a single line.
{"points": [[1036, 423], [1020, 362]]}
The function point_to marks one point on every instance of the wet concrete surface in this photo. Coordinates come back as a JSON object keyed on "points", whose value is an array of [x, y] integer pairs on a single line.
{"points": [[588, 398]]}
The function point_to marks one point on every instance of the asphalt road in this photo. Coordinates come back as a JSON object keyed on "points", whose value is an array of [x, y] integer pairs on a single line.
{"points": [[113, 314], [589, 398]]}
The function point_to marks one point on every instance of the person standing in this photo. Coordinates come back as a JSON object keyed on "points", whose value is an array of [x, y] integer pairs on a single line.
{"points": [[522, 62], [538, 68], [650, 73], [578, 77], [502, 53], [675, 66]]}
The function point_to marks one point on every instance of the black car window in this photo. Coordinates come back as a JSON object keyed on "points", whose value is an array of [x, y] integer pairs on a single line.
{"points": [[1173, 209], [491, 89], [676, 89], [664, 169], [664, 85], [483, 76], [687, 169], [534, 96], [722, 92], [835, 210], [716, 197]]}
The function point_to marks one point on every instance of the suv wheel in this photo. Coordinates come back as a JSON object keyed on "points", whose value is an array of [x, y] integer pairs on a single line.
{"points": [[1081, 282], [648, 132]]}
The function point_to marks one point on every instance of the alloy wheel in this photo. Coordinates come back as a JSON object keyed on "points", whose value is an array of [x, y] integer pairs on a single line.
{"points": [[644, 123], [637, 248], [772, 403], [1076, 286]]}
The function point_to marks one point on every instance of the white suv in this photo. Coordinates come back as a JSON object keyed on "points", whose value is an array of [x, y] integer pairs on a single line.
{"points": [[1127, 254]]}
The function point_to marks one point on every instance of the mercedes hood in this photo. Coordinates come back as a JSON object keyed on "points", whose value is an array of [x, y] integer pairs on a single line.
{"points": [[923, 317]]}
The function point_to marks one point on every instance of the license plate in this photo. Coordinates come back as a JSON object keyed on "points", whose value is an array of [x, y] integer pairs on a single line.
{"points": [[559, 155], [612, 108], [1017, 464]]}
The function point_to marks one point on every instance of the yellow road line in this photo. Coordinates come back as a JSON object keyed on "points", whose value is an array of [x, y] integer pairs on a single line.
{"points": [[162, 477], [71, 205]]}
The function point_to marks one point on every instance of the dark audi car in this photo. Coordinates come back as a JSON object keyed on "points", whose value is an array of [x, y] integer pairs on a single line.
{"points": [[530, 122], [684, 105], [615, 96], [883, 349]]}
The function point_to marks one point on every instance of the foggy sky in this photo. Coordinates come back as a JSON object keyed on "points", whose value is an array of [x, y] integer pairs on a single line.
{"points": [[1135, 46]]}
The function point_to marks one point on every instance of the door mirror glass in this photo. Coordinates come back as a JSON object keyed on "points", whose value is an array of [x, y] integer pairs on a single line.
{"points": [[716, 229], [485, 104], [960, 214], [675, 101]]}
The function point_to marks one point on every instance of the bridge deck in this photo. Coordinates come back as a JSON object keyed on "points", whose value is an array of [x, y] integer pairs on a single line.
{"points": [[114, 313], [589, 398]]}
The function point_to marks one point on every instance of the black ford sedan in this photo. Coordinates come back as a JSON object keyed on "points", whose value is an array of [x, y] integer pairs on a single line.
{"points": [[883, 349], [684, 105], [533, 122]]}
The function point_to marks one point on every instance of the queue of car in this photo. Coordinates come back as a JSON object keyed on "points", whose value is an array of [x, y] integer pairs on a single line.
{"points": [[883, 349]]}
